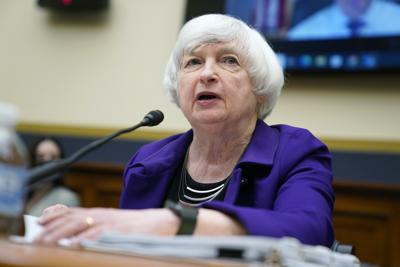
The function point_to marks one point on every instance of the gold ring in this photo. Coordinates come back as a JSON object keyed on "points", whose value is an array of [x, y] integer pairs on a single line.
{"points": [[89, 221]]}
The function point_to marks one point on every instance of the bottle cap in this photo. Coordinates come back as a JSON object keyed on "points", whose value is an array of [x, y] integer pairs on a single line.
{"points": [[9, 114]]}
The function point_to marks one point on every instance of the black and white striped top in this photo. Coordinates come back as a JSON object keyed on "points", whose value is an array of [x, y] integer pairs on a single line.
{"points": [[189, 192]]}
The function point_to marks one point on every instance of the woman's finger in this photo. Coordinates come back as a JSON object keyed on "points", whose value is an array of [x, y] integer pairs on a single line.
{"points": [[53, 208], [64, 224], [92, 233], [66, 230], [52, 213]]}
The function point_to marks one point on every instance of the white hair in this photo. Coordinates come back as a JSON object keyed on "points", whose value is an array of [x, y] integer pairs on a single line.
{"points": [[262, 64]]}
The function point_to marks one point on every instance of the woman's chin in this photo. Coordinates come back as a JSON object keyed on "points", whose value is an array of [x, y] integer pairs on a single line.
{"points": [[205, 118]]}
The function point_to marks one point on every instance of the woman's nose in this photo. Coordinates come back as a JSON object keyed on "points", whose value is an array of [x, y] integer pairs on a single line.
{"points": [[208, 74]]}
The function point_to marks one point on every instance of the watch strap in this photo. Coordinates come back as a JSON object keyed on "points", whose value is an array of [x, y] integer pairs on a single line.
{"points": [[188, 216]]}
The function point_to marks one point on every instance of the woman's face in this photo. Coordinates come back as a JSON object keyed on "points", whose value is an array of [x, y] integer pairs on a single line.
{"points": [[47, 151], [214, 86]]}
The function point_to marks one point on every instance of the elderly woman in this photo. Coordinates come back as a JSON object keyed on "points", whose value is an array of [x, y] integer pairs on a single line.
{"points": [[232, 174]]}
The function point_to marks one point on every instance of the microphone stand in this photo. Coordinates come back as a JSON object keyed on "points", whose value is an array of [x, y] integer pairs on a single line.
{"points": [[39, 174]]}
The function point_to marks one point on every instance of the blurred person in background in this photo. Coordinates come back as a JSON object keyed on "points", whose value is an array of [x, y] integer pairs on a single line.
{"points": [[42, 151]]}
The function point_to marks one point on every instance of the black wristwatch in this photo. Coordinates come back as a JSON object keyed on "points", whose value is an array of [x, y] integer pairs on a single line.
{"points": [[188, 216]]}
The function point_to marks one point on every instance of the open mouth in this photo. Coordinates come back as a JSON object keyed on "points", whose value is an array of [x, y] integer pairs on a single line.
{"points": [[207, 96]]}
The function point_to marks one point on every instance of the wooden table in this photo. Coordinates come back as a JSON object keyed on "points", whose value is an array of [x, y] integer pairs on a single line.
{"points": [[20, 255]]}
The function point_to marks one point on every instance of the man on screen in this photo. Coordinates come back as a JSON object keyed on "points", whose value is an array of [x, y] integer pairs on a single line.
{"points": [[349, 19]]}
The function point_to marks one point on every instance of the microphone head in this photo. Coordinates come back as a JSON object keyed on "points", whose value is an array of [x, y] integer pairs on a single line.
{"points": [[153, 118]]}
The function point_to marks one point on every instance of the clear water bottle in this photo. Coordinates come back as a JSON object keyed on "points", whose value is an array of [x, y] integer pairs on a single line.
{"points": [[13, 171]]}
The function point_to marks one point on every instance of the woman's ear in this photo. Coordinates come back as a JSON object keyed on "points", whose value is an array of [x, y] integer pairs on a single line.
{"points": [[261, 99]]}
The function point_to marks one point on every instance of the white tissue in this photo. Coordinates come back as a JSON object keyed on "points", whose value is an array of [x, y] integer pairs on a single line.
{"points": [[32, 228]]}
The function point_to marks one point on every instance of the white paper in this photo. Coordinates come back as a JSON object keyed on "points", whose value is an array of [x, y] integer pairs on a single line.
{"points": [[288, 251]]}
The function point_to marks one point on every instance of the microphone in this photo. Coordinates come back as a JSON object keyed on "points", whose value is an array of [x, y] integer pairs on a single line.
{"points": [[153, 118], [40, 173]]}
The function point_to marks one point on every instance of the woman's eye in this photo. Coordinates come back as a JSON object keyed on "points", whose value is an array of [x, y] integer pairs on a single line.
{"points": [[230, 60], [193, 62]]}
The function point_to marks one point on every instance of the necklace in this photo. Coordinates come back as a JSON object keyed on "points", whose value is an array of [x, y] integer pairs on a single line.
{"points": [[192, 193]]}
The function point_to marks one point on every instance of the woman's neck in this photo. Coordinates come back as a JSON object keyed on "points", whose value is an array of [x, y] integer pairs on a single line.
{"points": [[214, 154]]}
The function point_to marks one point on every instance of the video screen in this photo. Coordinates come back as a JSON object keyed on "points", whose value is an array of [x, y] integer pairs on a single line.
{"points": [[322, 35], [319, 20]]}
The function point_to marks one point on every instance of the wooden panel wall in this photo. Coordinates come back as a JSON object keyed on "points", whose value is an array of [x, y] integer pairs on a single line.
{"points": [[99, 185], [367, 216]]}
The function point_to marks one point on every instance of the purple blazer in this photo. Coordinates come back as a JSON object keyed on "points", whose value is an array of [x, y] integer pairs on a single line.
{"points": [[282, 185]]}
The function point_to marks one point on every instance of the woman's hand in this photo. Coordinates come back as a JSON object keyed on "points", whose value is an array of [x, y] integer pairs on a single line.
{"points": [[60, 221], [77, 224]]}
